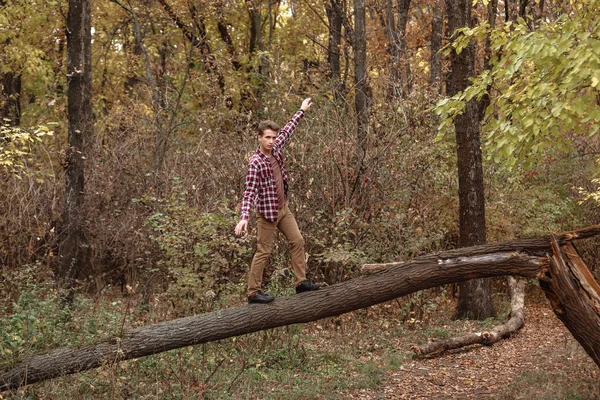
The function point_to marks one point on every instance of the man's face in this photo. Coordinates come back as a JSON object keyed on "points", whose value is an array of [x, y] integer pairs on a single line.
{"points": [[266, 140]]}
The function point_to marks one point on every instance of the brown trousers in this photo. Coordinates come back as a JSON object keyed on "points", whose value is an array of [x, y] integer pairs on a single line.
{"points": [[286, 223]]}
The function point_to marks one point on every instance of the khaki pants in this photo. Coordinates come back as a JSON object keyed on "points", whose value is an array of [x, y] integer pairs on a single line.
{"points": [[266, 230]]}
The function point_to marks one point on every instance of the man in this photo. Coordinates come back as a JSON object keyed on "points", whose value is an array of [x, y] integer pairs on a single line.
{"points": [[267, 187]]}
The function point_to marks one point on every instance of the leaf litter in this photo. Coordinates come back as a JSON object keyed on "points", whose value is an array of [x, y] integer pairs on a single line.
{"points": [[540, 361]]}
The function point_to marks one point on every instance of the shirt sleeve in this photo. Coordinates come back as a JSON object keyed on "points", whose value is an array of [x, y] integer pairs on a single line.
{"points": [[285, 133], [251, 190]]}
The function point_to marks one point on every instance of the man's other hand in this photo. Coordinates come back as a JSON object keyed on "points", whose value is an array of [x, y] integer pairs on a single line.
{"points": [[242, 226], [306, 104]]}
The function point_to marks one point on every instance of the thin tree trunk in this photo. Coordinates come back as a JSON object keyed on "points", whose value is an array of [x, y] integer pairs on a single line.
{"points": [[348, 44], [361, 85], [526, 258], [74, 252], [226, 37], [362, 101], [162, 133], [394, 89], [403, 8], [334, 48], [540, 11], [437, 26], [400, 82], [475, 299], [257, 44], [523, 8], [485, 100]]}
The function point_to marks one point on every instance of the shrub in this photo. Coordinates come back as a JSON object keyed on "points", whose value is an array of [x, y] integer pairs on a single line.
{"points": [[198, 251]]}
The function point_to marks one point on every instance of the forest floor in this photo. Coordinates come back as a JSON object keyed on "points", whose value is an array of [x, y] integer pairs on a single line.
{"points": [[540, 361], [365, 354]]}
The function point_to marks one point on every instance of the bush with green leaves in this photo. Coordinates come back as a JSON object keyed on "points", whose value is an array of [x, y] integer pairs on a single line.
{"points": [[199, 252], [35, 315], [16, 144]]}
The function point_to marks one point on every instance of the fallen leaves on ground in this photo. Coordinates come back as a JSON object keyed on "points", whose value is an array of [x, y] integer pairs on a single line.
{"points": [[542, 353]]}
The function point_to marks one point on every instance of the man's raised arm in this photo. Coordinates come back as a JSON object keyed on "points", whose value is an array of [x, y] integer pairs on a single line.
{"points": [[287, 131]]}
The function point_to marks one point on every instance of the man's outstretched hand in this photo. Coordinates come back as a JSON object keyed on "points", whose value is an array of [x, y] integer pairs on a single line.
{"points": [[306, 104], [242, 226]]}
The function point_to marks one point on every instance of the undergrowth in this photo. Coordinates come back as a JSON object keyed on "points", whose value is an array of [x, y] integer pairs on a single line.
{"points": [[326, 359]]}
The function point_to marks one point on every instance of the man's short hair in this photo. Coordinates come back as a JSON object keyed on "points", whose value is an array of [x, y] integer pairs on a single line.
{"points": [[268, 124]]}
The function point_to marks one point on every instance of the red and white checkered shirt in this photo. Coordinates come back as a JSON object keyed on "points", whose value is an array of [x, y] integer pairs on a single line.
{"points": [[260, 183]]}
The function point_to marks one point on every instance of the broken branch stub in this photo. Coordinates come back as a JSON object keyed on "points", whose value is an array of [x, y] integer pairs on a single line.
{"points": [[574, 296]]}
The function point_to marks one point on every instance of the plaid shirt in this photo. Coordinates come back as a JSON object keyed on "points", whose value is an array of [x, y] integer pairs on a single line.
{"points": [[260, 184]]}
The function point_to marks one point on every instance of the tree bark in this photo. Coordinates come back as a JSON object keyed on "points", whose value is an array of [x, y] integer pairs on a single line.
{"points": [[74, 252], [362, 90], [403, 8], [400, 83], [485, 99], [362, 97], [574, 296], [334, 20], [475, 297], [257, 44], [526, 258], [437, 27], [226, 37]]}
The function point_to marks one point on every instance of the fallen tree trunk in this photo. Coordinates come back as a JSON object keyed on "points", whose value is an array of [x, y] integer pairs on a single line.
{"points": [[575, 297], [526, 258], [515, 322]]}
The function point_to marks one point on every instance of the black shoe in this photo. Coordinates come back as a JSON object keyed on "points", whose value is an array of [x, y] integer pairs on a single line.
{"points": [[260, 297], [306, 286]]}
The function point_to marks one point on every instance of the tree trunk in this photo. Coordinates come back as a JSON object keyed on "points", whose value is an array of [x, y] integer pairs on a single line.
{"points": [[485, 99], [523, 8], [475, 299], [575, 297], [403, 7], [74, 252], [526, 258], [257, 43], [333, 48], [362, 94], [437, 26], [394, 89], [226, 37], [400, 83]]}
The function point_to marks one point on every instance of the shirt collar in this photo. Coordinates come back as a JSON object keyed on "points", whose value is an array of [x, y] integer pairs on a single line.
{"points": [[263, 155]]}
